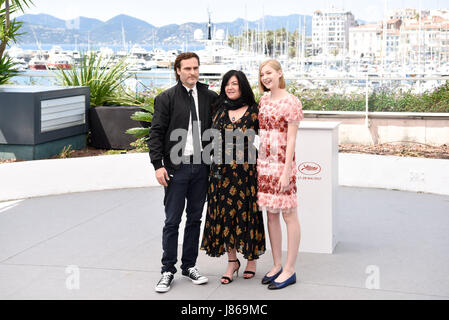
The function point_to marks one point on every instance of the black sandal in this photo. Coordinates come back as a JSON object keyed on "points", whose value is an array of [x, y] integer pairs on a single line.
{"points": [[252, 273], [235, 270]]}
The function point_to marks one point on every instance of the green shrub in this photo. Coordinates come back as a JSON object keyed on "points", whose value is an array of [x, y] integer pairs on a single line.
{"points": [[381, 100], [105, 79], [145, 100], [9, 33], [7, 70]]}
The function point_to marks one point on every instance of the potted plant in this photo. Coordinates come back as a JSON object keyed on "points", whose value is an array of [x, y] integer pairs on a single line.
{"points": [[111, 105], [144, 116]]}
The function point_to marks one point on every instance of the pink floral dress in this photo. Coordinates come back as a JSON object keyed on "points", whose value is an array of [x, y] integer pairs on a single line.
{"points": [[274, 117]]}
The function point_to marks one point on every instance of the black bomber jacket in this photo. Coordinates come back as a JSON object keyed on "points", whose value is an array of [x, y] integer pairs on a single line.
{"points": [[171, 111]]}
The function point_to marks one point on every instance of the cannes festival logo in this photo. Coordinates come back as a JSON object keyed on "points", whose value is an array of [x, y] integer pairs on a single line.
{"points": [[309, 168]]}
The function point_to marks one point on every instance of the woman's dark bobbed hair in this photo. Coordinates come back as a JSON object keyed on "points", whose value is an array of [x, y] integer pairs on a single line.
{"points": [[245, 88]]}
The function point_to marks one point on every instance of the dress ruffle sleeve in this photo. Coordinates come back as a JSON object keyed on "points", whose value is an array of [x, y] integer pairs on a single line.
{"points": [[294, 113]]}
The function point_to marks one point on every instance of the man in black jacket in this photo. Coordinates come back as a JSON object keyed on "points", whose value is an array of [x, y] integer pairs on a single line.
{"points": [[181, 115]]}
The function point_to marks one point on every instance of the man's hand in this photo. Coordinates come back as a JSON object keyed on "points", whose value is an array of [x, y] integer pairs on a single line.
{"points": [[162, 176]]}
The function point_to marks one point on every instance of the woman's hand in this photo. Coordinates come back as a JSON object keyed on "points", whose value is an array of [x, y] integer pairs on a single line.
{"points": [[284, 182]]}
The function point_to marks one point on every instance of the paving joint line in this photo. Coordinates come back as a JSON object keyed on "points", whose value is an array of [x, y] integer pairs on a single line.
{"points": [[81, 267], [64, 231], [219, 285], [375, 290], [88, 268]]}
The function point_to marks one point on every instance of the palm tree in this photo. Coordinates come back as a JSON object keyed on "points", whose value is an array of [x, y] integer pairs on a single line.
{"points": [[9, 31]]}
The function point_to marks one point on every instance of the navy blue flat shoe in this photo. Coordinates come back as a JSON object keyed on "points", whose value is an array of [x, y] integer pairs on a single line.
{"points": [[279, 285], [267, 280]]}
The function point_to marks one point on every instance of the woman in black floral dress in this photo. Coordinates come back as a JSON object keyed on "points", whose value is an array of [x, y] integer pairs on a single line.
{"points": [[234, 222]]}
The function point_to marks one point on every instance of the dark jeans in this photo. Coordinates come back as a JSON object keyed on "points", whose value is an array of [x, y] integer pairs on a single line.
{"points": [[189, 183]]}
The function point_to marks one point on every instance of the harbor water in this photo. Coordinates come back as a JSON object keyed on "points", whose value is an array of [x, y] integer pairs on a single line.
{"points": [[139, 80]]}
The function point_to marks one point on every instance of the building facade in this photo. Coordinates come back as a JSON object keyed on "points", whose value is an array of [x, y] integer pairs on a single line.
{"points": [[406, 37], [330, 31]]}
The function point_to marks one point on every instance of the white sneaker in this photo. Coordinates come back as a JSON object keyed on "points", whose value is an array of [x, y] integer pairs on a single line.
{"points": [[164, 284], [194, 275]]}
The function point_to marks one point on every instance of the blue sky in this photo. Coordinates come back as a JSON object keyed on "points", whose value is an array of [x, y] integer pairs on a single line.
{"points": [[163, 12]]}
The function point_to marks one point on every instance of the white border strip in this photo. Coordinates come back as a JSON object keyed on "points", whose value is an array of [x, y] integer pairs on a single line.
{"points": [[27, 179], [398, 173]]}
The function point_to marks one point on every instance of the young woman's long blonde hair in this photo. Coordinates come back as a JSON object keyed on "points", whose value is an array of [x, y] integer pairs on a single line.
{"points": [[276, 66]]}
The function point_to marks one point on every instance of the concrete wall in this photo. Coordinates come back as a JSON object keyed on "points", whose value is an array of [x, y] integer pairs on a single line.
{"points": [[398, 173], [47, 177], [353, 130], [27, 179]]}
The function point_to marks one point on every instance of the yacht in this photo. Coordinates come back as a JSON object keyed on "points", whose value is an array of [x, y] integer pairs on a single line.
{"points": [[214, 70], [163, 59], [150, 65], [37, 63], [59, 59], [106, 53], [16, 52], [136, 64], [138, 52], [57, 62], [19, 64]]}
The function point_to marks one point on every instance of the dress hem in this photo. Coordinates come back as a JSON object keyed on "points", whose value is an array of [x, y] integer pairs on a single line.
{"points": [[217, 255], [278, 210]]}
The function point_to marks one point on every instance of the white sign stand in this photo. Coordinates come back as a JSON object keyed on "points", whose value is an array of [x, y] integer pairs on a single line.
{"points": [[317, 180]]}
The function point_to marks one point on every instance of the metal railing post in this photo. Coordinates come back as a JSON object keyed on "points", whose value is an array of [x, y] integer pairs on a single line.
{"points": [[367, 101]]}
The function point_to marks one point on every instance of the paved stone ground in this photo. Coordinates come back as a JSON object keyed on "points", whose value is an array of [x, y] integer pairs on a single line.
{"points": [[113, 239]]}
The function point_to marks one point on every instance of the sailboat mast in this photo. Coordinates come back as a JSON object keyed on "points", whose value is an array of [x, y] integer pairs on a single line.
{"points": [[303, 48], [209, 27], [247, 35], [123, 38], [384, 56], [286, 41], [419, 34], [263, 30], [153, 39]]}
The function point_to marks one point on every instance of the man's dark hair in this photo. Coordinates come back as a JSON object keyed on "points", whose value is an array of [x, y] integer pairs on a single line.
{"points": [[244, 86], [184, 56]]}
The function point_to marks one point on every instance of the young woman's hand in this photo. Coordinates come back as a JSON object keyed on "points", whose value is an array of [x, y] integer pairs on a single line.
{"points": [[284, 182]]}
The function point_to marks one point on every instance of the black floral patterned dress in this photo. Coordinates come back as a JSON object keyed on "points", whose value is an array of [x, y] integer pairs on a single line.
{"points": [[233, 218]]}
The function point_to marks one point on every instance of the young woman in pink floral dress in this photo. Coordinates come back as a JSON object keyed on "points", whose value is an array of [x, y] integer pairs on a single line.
{"points": [[279, 116]]}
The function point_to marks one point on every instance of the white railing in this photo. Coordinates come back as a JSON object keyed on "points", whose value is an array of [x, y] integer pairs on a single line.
{"points": [[143, 75], [369, 79], [149, 75]]}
